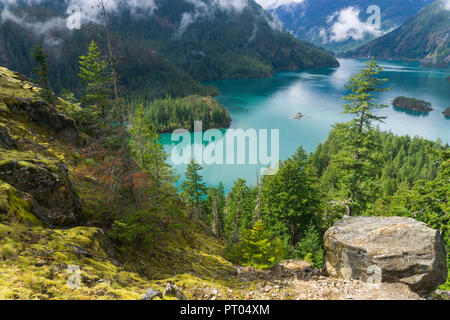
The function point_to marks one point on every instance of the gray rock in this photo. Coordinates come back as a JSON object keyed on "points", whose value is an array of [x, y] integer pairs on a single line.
{"points": [[152, 294], [288, 268], [386, 249], [180, 296], [172, 290]]}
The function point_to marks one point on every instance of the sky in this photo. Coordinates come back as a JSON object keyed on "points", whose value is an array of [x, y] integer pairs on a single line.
{"points": [[276, 3]]}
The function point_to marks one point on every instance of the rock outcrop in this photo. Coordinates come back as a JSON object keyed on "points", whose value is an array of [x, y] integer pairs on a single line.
{"points": [[47, 115], [386, 249], [6, 140], [46, 184]]}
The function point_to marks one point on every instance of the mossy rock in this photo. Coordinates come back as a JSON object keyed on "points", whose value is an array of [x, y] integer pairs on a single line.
{"points": [[15, 205], [13, 84], [47, 182], [6, 140], [41, 112]]}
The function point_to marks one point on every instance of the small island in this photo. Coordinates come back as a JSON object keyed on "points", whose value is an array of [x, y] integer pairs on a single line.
{"points": [[447, 112], [412, 104]]}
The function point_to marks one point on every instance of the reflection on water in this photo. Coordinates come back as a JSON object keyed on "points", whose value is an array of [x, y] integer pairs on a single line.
{"points": [[412, 112]]}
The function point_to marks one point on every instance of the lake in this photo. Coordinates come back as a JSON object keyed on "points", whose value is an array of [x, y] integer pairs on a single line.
{"points": [[271, 103]]}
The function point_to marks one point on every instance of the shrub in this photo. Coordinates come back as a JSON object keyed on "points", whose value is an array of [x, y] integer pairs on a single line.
{"points": [[256, 249], [309, 248]]}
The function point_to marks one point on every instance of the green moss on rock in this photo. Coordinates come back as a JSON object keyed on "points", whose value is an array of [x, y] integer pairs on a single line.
{"points": [[14, 206]]}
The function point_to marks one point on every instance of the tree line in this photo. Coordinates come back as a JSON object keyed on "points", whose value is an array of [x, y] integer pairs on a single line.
{"points": [[359, 170]]}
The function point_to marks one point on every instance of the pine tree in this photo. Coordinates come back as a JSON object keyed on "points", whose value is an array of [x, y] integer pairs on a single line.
{"points": [[42, 73], [240, 209], [257, 210], [309, 248], [194, 189], [355, 164], [93, 74], [290, 198], [257, 248], [216, 206], [361, 100], [149, 153]]}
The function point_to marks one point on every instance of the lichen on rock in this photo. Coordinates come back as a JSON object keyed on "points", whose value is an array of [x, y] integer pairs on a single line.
{"points": [[386, 249]]}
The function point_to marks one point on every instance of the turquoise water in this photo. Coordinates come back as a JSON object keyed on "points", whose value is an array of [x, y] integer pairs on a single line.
{"points": [[271, 103]]}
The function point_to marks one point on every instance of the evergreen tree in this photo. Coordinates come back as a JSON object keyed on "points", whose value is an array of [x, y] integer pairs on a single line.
{"points": [[42, 73], [361, 100], [193, 188], [309, 248], [240, 205], [257, 210], [354, 166], [290, 198], [216, 206], [257, 248], [149, 153], [93, 74]]}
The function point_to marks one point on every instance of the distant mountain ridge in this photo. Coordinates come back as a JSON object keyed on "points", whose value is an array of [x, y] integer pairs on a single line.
{"points": [[424, 37], [164, 46], [341, 25]]}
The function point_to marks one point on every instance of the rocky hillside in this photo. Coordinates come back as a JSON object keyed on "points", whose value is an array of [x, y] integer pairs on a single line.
{"points": [[55, 242], [424, 37], [46, 215]]}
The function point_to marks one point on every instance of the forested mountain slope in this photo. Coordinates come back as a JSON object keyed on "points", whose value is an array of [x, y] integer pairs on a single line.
{"points": [[162, 47], [341, 25], [424, 37]]}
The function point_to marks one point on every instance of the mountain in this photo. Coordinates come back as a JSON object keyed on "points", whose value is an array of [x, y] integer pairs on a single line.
{"points": [[342, 25], [426, 37], [164, 46]]}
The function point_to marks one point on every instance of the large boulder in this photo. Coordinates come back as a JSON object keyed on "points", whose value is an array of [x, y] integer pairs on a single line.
{"points": [[386, 249]]}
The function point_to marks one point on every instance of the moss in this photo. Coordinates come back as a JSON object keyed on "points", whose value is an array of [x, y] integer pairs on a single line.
{"points": [[14, 85], [3, 107], [15, 206], [7, 252], [27, 159]]}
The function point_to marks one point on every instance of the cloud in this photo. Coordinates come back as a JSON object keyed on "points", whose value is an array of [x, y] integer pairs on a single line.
{"points": [[347, 25], [273, 4], [447, 5], [204, 11], [39, 27], [231, 5], [90, 11]]}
